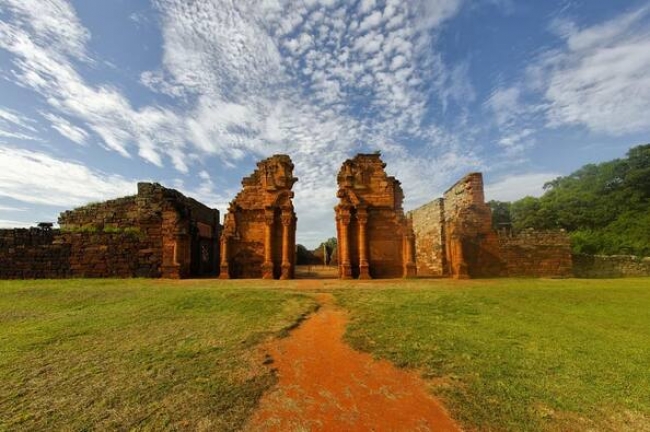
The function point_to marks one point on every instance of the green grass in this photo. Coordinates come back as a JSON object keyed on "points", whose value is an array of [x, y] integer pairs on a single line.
{"points": [[136, 354], [517, 355]]}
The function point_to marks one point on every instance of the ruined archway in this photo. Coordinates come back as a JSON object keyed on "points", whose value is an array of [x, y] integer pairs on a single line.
{"points": [[375, 239], [259, 233]]}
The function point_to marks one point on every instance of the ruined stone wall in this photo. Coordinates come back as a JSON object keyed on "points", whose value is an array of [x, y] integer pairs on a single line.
{"points": [[614, 266], [32, 253], [471, 245], [157, 233], [375, 240], [428, 226], [259, 233], [454, 237], [536, 254], [116, 214]]}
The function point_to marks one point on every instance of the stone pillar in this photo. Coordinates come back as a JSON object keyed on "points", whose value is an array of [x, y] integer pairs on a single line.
{"points": [[346, 268], [458, 265], [225, 268], [287, 220], [410, 269], [267, 266], [180, 254], [364, 267]]}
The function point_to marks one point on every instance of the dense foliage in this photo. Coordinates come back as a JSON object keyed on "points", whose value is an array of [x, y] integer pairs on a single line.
{"points": [[605, 207]]}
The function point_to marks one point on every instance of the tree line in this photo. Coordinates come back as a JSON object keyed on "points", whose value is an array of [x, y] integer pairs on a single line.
{"points": [[605, 207]]}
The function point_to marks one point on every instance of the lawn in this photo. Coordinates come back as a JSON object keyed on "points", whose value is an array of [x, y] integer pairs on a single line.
{"points": [[517, 355], [136, 354]]}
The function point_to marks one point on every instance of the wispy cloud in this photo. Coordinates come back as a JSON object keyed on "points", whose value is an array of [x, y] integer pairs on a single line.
{"points": [[38, 178], [518, 186], [600, 78], [67, 129]]}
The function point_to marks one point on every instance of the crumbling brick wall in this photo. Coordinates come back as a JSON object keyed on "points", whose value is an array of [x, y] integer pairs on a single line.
{"points": [[32, 253], [614, 266], [454, 237], [536, 253], [471, 245], [428, 226], [158, 232]]}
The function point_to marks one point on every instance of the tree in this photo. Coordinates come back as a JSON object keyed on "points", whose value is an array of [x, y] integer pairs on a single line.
{"points": [[604, 206]]}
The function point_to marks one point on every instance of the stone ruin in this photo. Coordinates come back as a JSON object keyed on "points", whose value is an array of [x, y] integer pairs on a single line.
{"points": [[157, 233], [375, 240], [161, 233], [455, 238], [259, 232]]}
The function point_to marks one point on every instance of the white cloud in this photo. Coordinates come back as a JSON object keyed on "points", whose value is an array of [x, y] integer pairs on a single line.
{"points": [[17, 119], [518, 186], [38, 178], [366, 6], [370, 22], [67, 129], [600, 78], [12, 209], [4, 223], [256, 78], [53, 23]]}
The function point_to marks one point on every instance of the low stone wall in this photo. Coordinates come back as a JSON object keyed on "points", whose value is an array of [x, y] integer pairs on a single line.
{"points": [[536, 254], [37, 254], [102, 254], [32, 254], [615, 266]]}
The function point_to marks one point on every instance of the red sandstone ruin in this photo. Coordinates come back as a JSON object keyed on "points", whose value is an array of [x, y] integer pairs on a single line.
{"points": [[455, 238], [161, 233], [259, 233], [157, 233], [375, 240]]}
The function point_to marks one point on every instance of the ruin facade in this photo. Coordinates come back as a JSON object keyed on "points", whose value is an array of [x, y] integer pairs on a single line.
{"points": [[157, 233], [259, 232], [455, 238], [375, 239]]}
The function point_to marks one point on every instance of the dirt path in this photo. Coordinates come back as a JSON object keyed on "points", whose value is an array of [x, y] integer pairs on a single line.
{"points": [[324, 385]]}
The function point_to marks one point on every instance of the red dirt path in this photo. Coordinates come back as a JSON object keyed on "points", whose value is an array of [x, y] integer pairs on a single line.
{"points": [[324, 385]]}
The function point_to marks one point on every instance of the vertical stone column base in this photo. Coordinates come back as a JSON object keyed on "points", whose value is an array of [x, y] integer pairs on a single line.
{"points": [[286, 271], [410, 270], [364, 271], [267, 271], [346, 271], [224, 272]]}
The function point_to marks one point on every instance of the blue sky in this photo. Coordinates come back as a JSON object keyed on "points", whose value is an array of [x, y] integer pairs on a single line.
{"points": [[98, 95]]}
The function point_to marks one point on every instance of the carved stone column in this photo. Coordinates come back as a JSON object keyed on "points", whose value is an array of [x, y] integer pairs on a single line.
{"points": [[410, 269], [180, 253], [346, 268], [224, 267], [267, 266], [287, 220], [364, 267]]}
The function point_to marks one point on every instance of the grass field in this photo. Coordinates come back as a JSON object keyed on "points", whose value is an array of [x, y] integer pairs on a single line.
{"points": [[136, 354], [517, 355]]}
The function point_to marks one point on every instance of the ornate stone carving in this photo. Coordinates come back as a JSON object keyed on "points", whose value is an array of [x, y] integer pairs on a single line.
{"points": [[374, 237], [259, 234]]}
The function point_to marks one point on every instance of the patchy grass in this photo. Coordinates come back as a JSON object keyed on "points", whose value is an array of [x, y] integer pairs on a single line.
{"points": [[517, 355], [136, 354]]}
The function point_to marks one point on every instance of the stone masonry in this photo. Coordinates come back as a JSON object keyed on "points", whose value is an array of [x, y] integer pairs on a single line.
{"points": [[259, 234], [158, 232], [454, 238], [375, 240]]}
